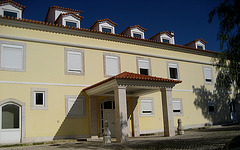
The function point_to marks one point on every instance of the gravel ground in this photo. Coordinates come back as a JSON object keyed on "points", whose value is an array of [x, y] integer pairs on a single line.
{"points": [[218, 138]]}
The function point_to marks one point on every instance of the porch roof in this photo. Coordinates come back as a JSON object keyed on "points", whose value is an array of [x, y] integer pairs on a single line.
{"points": [[136, 84]]}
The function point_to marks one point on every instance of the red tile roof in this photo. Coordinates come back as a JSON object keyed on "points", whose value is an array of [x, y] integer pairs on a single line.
{"points": [[118, 35], [67, 9], [14, 3], [133, 76], [135, 26], [115, 24], [204, 42], [164, 32]]}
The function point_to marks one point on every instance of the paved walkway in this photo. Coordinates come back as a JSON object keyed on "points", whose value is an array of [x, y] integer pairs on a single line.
{"points": [[226, 137]]}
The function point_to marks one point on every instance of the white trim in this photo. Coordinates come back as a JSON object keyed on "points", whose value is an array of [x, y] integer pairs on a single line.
{"points": [[34, 106], [98, 48]]}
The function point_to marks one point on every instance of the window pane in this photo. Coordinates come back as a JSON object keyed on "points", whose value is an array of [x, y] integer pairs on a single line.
{"points": [[208, 74], [12, 56], [10, 116], [137, 35], [210, 108], [165, 41], [71, 24], [39, 98], [108, 105], [173, 73], [10, 14], [199, 47], [106, 30], [144, 71]]}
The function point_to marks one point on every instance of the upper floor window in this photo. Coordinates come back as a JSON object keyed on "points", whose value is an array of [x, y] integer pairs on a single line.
{"points": [[143, 66], [211, 107], [10, 14], [12, 56], [71, 24], [207, 74], [39, 98], [137, 35], [146, 106], [107, 30], [74, 63], [173, 70], [111, 64], [165, 40], [199, 47]]}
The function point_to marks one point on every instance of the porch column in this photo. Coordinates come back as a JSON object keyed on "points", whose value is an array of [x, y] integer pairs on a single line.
{"points": [[121, 114], [93, 116], [135, 117], [167, 108]]}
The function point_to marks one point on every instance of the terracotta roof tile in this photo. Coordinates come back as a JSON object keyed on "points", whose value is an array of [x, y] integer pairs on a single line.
{"points": [[118, 35], [196, 41], [133, 76], [115, 24], [14, 3], [68, 9]]}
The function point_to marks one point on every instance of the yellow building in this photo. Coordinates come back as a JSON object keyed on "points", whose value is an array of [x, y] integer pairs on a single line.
{"points": [[58, 80]]}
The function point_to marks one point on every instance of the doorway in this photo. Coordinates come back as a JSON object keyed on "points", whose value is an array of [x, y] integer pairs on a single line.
{"points": [[108, 113], [10, 123]]}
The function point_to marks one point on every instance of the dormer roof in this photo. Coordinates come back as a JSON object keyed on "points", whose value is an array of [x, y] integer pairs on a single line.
{"points": [[161, 33], [135, 26], [71, 14], [21, 7], [107, 20], [194, 41]]}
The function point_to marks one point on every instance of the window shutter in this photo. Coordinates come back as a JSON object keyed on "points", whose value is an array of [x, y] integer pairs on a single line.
{"points": [[76, 107], [112, 66], [70, 103], [12, 56], [146, 105], [176, 105], [74, 62], [208, 74], [143, 64], [172, 65]]}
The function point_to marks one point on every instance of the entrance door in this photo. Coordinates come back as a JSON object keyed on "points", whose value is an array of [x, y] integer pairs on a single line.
{"points": [[10, 126], [108, 113]]}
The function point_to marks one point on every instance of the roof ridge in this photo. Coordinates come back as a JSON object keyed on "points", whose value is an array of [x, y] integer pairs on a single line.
{"points": [[68, 9]]}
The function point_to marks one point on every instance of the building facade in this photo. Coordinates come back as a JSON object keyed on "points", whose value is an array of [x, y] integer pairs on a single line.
{"points": [[58, 80]]}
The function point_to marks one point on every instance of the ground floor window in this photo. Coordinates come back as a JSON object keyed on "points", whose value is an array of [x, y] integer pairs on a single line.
{"points": [[177, 106], [39, 98], [75, 106], [146, 106]]}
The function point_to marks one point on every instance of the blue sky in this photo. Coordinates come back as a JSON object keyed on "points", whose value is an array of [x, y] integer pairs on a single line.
{"points": [[187, 18]]}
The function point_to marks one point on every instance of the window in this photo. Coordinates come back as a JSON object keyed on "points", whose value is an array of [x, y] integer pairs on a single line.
{"points": [[107, 30], [165, 41], [10, 14], [39, 98], [74, 61], [112, 64], [199, 47], [173, 72], [146, 106], [12, 56], [75, 106], [211, 107], [207, 74], [137, 35], [143, 66], [177, 106], [71, 24]]}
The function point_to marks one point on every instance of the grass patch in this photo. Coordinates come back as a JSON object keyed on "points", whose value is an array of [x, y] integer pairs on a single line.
{"points": [[14, 145]]}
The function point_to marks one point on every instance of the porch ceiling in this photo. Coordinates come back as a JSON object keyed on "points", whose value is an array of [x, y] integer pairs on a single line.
{"points": [[136, 84]]}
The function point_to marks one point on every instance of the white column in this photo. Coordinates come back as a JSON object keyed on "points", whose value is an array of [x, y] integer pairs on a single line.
{"points": [[135, 117], [93, 117], [121, 114], [167, 108]]}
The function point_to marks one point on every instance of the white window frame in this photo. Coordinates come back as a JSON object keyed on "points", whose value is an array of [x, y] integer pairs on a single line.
{"points": [[143, 100], [33, 98], [17, 45], [198, 43], [77, 98], [105, 55], [69, 20], [207, 68], [169, 39], [139, 59], [19, 12], [173, 65], [211, 103], [140, 33], [106, 25], [70, 50], [178, 100]]}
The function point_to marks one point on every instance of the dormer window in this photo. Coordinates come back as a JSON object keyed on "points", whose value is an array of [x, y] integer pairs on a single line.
{"points": [[198, 44], [165, 37], [135, 31], [71, 24], [105, 25], [11, 9]]}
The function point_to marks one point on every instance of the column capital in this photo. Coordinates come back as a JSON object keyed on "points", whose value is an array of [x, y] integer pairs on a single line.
{"points": [[166, 89], [120, 87]]}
